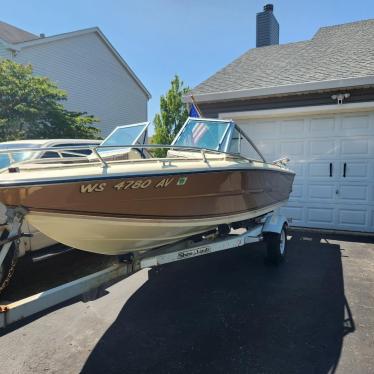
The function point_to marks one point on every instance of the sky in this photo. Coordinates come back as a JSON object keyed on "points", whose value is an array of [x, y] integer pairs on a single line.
{"points": [[191, 38]]}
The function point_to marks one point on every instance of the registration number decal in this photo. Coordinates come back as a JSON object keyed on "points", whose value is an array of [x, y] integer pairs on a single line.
{"points": [[134, 184], [182, 181]]}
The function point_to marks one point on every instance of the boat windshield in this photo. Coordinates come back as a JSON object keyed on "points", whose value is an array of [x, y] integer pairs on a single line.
{"points": [[202, 134], [218, 135], [6, 159], [125, 135]]}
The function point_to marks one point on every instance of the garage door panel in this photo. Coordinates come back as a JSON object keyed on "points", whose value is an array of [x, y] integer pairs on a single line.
{"points": [[297, 191], [327, 148], [353, 217], [321, 192], [320, 169], [354, 170], [297, 167], [294, 128], [354, 193], [263, 130], [355, 125], [320, 216], [355, 148], [322, 127], [295, 213], [292, 148], [269, 149]]}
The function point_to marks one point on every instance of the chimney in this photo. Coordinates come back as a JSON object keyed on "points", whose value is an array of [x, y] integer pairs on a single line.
{"points": [[267, 27]]}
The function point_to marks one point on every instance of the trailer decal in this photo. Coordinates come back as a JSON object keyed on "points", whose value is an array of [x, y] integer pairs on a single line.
{"points": [[194, 252]]}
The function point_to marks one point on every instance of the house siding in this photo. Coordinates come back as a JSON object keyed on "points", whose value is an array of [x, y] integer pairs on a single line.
{"points": [[213, 109], [95, 81], [4, 52]]}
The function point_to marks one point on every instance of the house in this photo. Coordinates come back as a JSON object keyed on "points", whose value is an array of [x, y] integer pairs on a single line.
{"points": [[83, 63], [312, 101]]}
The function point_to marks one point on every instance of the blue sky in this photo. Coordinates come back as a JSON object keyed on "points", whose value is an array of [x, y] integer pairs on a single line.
{"points": [[159, 38]]}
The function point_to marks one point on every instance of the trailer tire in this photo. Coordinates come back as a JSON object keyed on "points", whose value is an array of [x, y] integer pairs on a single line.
{"points": [[6, 266], [276, 246]]}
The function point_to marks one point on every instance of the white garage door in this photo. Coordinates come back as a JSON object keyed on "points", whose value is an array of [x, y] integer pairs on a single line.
{"points": [[333, 157]]}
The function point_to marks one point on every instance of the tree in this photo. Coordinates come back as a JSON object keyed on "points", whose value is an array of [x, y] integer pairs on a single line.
{"points": [[31, 107], [173, 114]]}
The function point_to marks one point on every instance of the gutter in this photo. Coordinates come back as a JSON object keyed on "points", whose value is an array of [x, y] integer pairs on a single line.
{"points": [[281, 90], [9, 46]]}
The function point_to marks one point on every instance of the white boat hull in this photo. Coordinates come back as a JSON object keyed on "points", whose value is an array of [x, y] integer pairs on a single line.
{"points": [[114, 236]]}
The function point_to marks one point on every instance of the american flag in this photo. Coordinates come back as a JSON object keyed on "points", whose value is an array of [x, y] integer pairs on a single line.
{"points": [[198, 131], [194, 112]]}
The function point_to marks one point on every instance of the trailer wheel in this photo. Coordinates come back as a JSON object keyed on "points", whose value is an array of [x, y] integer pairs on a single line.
{"points": [[276, 245], [7, 267]]}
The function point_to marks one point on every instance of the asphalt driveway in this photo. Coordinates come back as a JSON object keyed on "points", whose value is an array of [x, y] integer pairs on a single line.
{"points": [[221, 313]]}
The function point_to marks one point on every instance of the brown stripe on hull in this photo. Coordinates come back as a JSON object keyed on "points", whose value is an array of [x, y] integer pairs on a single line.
{"points": [[180, 196]]}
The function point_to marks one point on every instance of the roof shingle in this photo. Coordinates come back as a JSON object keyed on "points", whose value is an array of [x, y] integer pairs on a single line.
{"points": [[335, 52], [12, 34]]}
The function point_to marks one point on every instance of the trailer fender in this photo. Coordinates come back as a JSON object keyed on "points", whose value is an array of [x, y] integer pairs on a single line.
{"points": [[274, 223]]}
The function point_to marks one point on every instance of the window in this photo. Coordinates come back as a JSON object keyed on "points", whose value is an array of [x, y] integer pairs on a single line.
{"points": [[75, 152], [125, 135], [6, 159], [240, 145], [50, 154], [236, 138], [203, 134]]}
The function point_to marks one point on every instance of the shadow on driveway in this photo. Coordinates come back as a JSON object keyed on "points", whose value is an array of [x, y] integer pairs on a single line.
{"points": [[229, 313]]}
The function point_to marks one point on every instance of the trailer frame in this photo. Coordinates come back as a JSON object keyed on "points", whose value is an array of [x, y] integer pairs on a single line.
{"points": [[271, 225]]}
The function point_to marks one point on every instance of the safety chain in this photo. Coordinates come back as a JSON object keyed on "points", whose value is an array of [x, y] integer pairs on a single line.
{"points": [[15, 217], [6, 281]]}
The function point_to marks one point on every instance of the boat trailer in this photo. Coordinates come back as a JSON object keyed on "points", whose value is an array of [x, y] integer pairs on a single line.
{"points": [[271, 228]]}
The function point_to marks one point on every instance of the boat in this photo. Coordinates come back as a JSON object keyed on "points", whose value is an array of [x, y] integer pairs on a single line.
{"points": [[122, 200], [130, 134], [58, 152]]}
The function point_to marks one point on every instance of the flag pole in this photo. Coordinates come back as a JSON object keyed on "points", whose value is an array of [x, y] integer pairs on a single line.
{"points": [[196, 106]]}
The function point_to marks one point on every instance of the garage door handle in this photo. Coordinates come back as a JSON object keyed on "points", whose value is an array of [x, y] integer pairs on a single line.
{"points": [[344, 169], [330, 169]]}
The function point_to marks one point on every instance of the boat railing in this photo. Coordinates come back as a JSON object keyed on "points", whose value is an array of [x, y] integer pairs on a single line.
{"points": [[100, 156]]}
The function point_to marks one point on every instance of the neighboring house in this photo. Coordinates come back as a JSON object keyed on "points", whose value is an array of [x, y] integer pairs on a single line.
{"points": [[314, 102], [83, 63]]}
